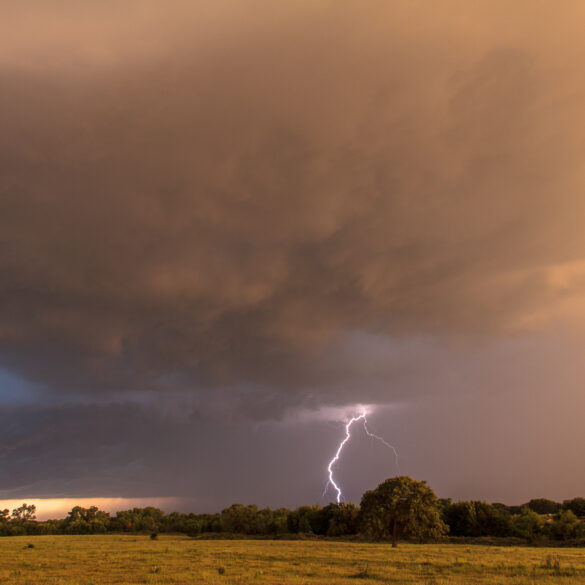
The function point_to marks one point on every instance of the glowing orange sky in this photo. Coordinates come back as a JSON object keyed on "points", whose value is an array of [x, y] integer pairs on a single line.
{"points": [[49, 508]]}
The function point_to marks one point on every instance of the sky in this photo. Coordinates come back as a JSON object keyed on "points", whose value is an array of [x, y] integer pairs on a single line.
{"points": [[225, 228]]}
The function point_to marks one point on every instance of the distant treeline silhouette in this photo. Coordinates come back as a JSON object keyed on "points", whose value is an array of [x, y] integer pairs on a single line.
{"points": [[537, 521]]}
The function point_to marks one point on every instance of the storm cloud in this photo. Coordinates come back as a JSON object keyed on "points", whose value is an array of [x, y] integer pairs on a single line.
{"points": [[218, 215]]}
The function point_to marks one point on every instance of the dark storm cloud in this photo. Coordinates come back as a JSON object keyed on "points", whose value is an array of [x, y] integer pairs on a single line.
{"points": [[506, 425], [224, 215], [252, 208]]}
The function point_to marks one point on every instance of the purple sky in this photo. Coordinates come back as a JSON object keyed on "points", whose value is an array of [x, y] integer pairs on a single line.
{"points": [[224, 226]]}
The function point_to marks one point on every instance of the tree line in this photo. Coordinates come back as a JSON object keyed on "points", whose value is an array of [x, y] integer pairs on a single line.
{"points": [[399, 508]]}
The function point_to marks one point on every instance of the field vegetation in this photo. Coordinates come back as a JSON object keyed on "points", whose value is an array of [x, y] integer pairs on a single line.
{"points": [[177, 559]]}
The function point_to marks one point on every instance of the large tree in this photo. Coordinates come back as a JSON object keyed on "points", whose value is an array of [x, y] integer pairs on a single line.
{"points": [[401, 507]]}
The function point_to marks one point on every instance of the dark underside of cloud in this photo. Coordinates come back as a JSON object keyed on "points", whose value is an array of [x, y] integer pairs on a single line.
{"points": [[226, 215]]}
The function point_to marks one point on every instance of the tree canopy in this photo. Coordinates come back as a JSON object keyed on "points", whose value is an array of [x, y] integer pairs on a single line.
{"points": [[401, 507]]}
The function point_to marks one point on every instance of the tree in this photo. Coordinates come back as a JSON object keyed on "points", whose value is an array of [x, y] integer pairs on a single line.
{"points": [[86, 521], [239, 519], [528, 524], [401, 507], [301, 520], [24, 513], [279, 523], [566, 525], [5, 527], [343, 519], [146, 519], [478, 519], [576, 505], [543, 506]]}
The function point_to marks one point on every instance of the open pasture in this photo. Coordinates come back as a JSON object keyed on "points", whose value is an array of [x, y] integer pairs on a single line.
{"points": [[131, 559]]}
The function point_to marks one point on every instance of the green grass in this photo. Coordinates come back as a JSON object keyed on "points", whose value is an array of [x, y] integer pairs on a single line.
{"points": [[129, 559]]}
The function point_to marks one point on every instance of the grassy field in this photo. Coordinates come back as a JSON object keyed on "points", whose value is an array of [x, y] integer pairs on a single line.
{"points": [[125, 559]]}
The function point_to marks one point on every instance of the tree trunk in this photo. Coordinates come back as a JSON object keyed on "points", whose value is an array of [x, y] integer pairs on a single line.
{"points": [[395, 535]]}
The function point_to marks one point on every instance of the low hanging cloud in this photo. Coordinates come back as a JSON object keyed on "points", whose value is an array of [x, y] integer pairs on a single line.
{"points": [[219, 200]]}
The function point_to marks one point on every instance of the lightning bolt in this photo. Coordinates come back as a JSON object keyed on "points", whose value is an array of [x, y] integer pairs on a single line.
{"points": [[362, 417]]}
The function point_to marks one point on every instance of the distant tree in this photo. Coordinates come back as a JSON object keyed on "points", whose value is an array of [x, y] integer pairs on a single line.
{"points": [[444, 506], [478, 519], [565, 526], [576, 505], [213, 523], [343, 519], [139, 519], [320, 520], [240, 519], [264, 521], [5, 527], [86, 521], [301, 520], [461, 518], [24, 513], [332, 520], [401, 507], [544, 506], [304, 525], [150, 518], [279, 522], [528, 524], [191, 524], [494, 520]]}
